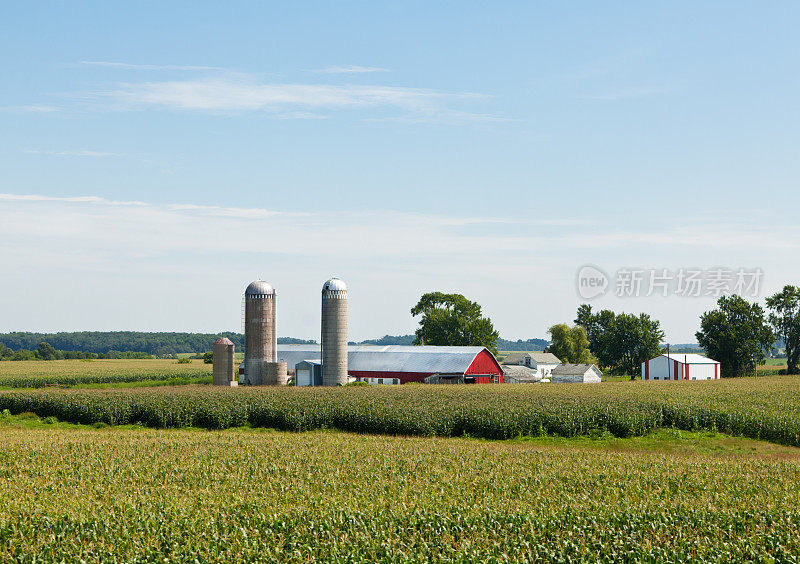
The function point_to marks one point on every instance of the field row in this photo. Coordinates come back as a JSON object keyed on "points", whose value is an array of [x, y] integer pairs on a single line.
{"points": [[764, 409], [233, 496], [66, 373]]}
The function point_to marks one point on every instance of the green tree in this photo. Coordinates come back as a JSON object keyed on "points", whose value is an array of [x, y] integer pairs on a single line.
{"points": [[45, 351], [595, 324], [620, 342], [736, 334], [5, 352], [785, 320], [570, 344], [452, 319], [208, 357]]}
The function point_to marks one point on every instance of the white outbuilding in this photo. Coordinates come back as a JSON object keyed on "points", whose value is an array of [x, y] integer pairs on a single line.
{"points": [[680, 367], [576, 373]]}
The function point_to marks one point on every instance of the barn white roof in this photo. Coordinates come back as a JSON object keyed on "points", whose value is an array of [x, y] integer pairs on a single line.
{"points": [[690, 358], [391, 358]]}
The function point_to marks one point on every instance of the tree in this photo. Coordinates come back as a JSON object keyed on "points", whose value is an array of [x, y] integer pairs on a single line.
{"points": [[570, 344], [208, 357], [735, 334], [45, 351], [452, 319], [595, 324], [5, 352], [621, 342], [785, 320]]}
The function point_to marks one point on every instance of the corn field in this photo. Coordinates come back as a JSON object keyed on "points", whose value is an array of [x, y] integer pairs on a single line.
{"points": [[66, 373], [142, 495], [766, 408]]}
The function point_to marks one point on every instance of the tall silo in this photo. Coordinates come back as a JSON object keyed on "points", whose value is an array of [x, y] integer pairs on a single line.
{"points": [[334, 333], [259, 331]]}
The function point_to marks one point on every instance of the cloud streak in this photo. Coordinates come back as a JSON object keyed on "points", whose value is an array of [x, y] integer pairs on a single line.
{"points": [[349, 69], [129, 66], [226, 94], [76, 153]]}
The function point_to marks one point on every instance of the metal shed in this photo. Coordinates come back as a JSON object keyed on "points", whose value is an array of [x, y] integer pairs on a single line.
{"points": [[680, 367]]}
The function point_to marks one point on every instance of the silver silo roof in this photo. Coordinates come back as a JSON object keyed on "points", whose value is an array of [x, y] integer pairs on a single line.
{"points": [[335, 284], [259, 288]]}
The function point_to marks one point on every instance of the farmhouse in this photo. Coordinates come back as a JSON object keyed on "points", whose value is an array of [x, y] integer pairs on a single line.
{"points": [[575, 373], [542, 362], [680, 367], [396, 364]]}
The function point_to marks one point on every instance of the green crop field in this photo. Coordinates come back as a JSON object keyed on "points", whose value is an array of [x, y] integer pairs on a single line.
{"points": [[66, 373], [765, 408], [144, 495]]}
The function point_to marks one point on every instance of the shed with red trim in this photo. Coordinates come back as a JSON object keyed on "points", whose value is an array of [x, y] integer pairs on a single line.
{"points": [[676, 366]]}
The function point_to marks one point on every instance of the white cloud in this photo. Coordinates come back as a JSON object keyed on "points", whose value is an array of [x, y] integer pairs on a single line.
{"points": [[350, 69], [35, 108], [226, 94], [86, 250], [71, 199], [77, 153], [129, 66]]}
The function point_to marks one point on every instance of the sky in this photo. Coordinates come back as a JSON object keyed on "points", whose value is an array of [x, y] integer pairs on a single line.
{"points": [[155, 157]]}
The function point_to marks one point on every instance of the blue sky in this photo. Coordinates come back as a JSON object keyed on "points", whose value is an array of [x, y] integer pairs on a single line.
{"points": [[156, 157]]}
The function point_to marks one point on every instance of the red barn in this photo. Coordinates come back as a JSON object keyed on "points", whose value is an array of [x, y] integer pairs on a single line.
{"points": [[402, 364]]}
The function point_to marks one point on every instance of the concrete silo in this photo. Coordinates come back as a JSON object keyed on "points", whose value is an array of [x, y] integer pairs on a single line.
{"points": [[259, 332], [223, 357], [334, 333]]}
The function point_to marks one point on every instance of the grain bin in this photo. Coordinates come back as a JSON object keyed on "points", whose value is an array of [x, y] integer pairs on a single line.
{"points": [[259, 331], [334, 333], [223, 352]]}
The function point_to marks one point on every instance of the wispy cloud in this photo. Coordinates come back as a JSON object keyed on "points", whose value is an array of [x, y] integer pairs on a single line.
{"points": [[350, 69], [625, 93], [239, 213], [76, 153], [68, 199], [36, 108], [131, 66], [227, 94], [444, 118]]}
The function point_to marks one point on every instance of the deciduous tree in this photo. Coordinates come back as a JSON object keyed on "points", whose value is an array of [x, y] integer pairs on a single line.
{"points": [[452, 319], [570, 344], [736, 334], [785, 320]]}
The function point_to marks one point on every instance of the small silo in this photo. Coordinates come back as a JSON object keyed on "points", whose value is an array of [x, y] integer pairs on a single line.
{"points": [[223, 356], [334, 333], [259, 331]]}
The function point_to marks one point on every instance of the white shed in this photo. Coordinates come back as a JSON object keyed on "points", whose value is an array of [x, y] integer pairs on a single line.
{"points": [[680, 367], [576, 373]]}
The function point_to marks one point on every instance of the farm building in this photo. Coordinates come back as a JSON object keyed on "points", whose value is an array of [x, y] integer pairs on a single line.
{"points": [[403, 364], [575, 373], [542, 362], [680, 367], [516, 374]]}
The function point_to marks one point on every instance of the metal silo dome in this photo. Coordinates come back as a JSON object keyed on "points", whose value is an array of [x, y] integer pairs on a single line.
{"points": [[335, 284], [259, 288]]}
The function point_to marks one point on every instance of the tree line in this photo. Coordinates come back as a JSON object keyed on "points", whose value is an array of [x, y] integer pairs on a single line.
{"points": [[46, 351], [738, 334], [107, 342]]}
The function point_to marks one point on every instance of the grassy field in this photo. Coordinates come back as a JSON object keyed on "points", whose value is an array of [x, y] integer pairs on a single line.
{"points": [[66, 373], [766, 408], [134, 495]]}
